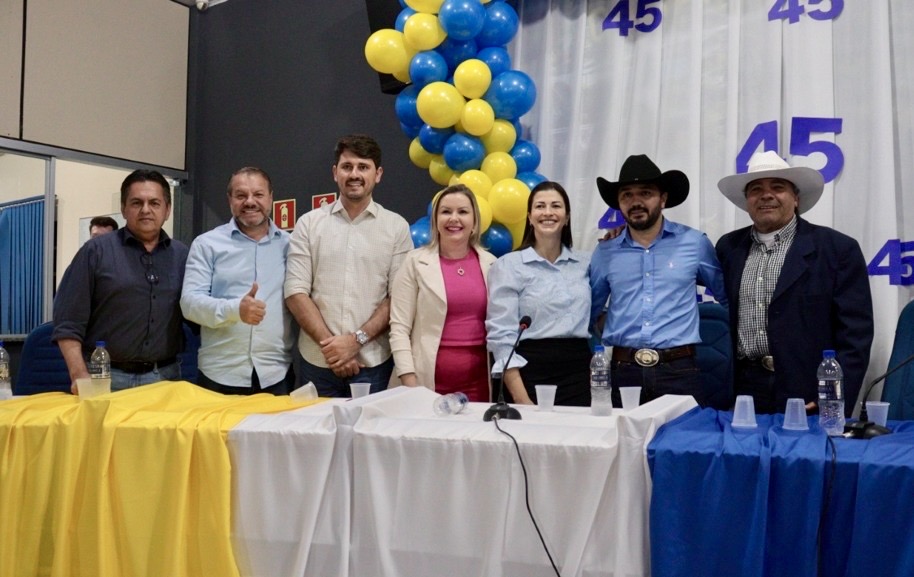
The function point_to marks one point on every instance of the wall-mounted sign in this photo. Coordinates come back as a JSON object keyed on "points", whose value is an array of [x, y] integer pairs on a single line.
{"points": [[284, 213], [319, 200]]}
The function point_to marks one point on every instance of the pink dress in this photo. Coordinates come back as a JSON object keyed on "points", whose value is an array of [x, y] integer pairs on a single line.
{"points": [[462, 362]]}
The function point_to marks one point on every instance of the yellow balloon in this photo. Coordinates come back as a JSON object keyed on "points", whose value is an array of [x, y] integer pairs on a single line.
{"points": [[477, 181], [499, 166], [440, 105], [509, 201], [472, 78], [477, 117], [517, 232], [423, 31], [439, 170], [485, 213], [455, 179], [402, 75], [386, 51], [431, 6], [418, 154], [501, 138]]}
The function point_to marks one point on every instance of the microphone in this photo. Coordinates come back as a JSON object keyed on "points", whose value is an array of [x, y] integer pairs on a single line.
{"points": [[501, 409], [864, 428]]}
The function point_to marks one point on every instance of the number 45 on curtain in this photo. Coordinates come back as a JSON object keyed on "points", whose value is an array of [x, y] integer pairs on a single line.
{"points": [[647, 17], [791, 10]]}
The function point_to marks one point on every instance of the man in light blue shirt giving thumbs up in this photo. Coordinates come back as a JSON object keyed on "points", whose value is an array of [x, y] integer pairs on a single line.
{"points": [[233, 290]]}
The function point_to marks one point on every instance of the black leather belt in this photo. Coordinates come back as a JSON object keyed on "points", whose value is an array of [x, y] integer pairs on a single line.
{"points": [[766, 362], [140, 367], [651, 357]]}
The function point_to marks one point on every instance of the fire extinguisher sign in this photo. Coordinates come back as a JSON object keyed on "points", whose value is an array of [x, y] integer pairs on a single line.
{"points": [[284, 213], [319, 200]]}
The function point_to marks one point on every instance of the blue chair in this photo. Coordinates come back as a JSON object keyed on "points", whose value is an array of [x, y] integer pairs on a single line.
{"points": [[41, 366], [899, 386], [188, 358], [714, 355]]}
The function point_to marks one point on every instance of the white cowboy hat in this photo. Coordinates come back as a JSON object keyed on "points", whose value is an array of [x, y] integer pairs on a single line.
{"points": [[808, 182]]}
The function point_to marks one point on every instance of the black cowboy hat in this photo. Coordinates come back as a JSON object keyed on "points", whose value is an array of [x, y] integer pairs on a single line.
{"points": [[639, 168]]}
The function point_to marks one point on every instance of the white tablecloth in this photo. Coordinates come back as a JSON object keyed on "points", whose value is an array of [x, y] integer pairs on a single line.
{"points": [[381, 486]]}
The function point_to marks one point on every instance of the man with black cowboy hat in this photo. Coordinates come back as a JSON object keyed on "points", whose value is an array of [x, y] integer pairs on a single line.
{"points": [[651, 271], [796, 288]]}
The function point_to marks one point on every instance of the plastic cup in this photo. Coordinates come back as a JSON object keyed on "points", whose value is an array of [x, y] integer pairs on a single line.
{"points": [[795, 415], [359, 390], [89, 387], [744, 413], [878, 412], [631, 397], [545, 397]]}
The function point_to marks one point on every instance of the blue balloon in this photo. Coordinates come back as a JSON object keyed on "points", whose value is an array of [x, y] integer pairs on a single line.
{"points": [[420, 231], [405, 106], [433, 139], [531, 179], [500, 25], [526, 155], [462, 19], [518, 129], [496, 58], [410, 131], [403, 17], [427, 67], [497, 240], [456, 51], [511, 94], [463, 152]]}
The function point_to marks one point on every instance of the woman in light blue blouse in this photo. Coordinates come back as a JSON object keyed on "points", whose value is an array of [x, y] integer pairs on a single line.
{"points": [[547, 280]]}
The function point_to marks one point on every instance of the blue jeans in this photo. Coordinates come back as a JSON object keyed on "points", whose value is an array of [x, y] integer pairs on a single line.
{"points": [[121, 380], [329, 385], [677, 377]]}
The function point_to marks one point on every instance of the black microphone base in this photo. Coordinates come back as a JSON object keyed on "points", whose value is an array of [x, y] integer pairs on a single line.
{"points": [[501, 411], [864, 430]]}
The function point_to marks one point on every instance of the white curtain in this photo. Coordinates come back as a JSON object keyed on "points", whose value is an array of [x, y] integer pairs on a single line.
{"points": [[689, 93]]}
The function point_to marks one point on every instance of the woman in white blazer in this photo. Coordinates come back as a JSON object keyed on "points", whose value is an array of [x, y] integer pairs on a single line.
{"points": [[438, 303]]}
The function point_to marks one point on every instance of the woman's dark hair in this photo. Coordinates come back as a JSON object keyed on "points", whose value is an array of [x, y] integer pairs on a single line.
{"points": [[529, 238]]}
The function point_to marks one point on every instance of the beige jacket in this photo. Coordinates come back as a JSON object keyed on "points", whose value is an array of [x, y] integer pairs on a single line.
{"points": [[418, 307]]}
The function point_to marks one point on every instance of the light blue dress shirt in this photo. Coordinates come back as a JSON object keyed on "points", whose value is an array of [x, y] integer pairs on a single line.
{"points": [[222, 266], [556, 296], [653, 289]]}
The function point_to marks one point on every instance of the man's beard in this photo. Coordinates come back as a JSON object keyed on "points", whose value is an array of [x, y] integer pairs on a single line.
{"points": [[651, 220]]}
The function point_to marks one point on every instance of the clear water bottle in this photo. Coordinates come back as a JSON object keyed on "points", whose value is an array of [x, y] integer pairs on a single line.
{"points": [[100, 371], [450, 404], [831, 394], [601, 402], [6, 386]]}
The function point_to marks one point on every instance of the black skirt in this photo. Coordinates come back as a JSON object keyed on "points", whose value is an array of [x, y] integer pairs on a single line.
{"points": [[561, 362]]}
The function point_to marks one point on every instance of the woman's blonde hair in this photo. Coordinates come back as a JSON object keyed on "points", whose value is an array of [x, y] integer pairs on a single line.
{"points": [[433, 224]]}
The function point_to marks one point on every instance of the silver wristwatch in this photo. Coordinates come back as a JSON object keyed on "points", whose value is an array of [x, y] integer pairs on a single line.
{"points": [[361, 336]]}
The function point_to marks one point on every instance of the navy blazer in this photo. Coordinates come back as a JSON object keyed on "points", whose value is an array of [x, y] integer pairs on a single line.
{"points": [[821, 301]]}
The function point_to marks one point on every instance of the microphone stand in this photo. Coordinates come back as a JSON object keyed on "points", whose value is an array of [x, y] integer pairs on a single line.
{"points": [[501, 409], [864, 428]]}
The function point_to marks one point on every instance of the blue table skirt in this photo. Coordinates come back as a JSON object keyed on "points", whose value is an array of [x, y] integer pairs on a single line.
{"points": [[737, 502]]}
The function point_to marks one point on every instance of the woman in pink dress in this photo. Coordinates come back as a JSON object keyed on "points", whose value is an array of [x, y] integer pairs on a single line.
{"points": [[438, 303]]}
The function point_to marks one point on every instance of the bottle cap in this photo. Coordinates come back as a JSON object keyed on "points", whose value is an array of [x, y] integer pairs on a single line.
{"points": [[599, 349], [828, 354], [100, 344]]}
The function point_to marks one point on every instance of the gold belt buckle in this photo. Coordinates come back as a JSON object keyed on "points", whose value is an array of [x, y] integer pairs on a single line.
{"points": [[647, 357], [768, 363]]}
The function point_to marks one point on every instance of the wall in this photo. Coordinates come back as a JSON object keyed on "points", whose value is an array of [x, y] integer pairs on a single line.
{"points": [[275, 87]]}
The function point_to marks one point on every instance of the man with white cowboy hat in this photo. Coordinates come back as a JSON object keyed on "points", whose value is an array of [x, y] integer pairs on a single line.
{"points": [[795, 288], [651, 271]]}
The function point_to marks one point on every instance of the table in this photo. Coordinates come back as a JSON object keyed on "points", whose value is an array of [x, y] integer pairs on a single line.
{"points": [[747, 502], [410, 493]]}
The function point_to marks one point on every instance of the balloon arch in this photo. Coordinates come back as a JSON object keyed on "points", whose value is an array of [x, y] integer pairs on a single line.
{"points": [[462, 107]]}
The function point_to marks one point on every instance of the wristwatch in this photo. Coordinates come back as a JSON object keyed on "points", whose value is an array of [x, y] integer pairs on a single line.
{"points": [[361, 336]]}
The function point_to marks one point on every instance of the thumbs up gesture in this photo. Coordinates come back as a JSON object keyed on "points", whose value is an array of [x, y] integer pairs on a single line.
{"points": [[252, 310]]}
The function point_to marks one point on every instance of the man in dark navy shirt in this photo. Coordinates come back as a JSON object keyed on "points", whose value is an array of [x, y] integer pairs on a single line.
{"points": [[124, 288]]}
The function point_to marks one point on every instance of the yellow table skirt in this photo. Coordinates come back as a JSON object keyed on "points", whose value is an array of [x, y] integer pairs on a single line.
{"points": [[132, 483]]}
